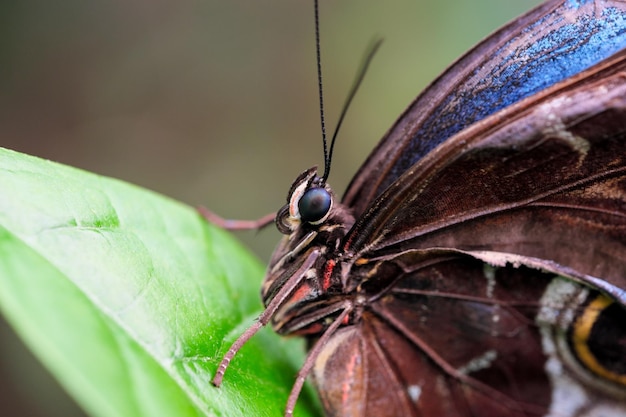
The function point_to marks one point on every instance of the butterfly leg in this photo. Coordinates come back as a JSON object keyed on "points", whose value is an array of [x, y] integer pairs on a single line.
{"points": [[279, 299], [310, 359], [229, 224]]}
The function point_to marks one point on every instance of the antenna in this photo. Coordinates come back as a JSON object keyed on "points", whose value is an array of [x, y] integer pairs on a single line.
{"points": [[355, 86], [320, 89], [371, 50]]}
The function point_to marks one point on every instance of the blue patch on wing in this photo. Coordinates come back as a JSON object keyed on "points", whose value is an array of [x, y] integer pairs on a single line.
{"points": [[520, 68]]}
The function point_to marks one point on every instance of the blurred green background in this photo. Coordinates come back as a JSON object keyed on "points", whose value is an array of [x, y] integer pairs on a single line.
{"points": [[209, 102]]}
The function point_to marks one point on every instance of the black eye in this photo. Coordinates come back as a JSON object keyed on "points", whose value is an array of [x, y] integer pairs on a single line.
{"points": [[314, 205]]}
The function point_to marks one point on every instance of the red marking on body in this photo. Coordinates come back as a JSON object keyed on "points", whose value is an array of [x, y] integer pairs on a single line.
{"points": [[303, 292], [314, 328], [348, 243], [328, 271]]}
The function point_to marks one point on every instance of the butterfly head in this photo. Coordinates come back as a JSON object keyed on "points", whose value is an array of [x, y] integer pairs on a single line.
{"points": [[313, 224], [309, 202]]}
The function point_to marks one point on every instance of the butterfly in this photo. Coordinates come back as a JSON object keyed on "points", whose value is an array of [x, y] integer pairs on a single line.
{"points": [[476, 264]]}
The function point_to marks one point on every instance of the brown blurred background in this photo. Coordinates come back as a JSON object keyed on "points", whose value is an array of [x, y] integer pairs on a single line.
{"points": [[209, 102]]}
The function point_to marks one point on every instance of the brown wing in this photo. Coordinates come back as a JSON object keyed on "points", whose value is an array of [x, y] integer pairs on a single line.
{"points": [[544, 179], [471, 350], [551, 43], [457, 338]]}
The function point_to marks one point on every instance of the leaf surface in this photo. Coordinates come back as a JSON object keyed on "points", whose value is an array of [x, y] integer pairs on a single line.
{"points": [[131, 299]]}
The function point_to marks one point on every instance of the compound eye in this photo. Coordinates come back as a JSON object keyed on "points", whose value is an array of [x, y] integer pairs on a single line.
{"points": [[315, 205]]}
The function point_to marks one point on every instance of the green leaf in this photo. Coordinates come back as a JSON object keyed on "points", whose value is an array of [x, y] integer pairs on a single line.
{"points": [[131, 299]]}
